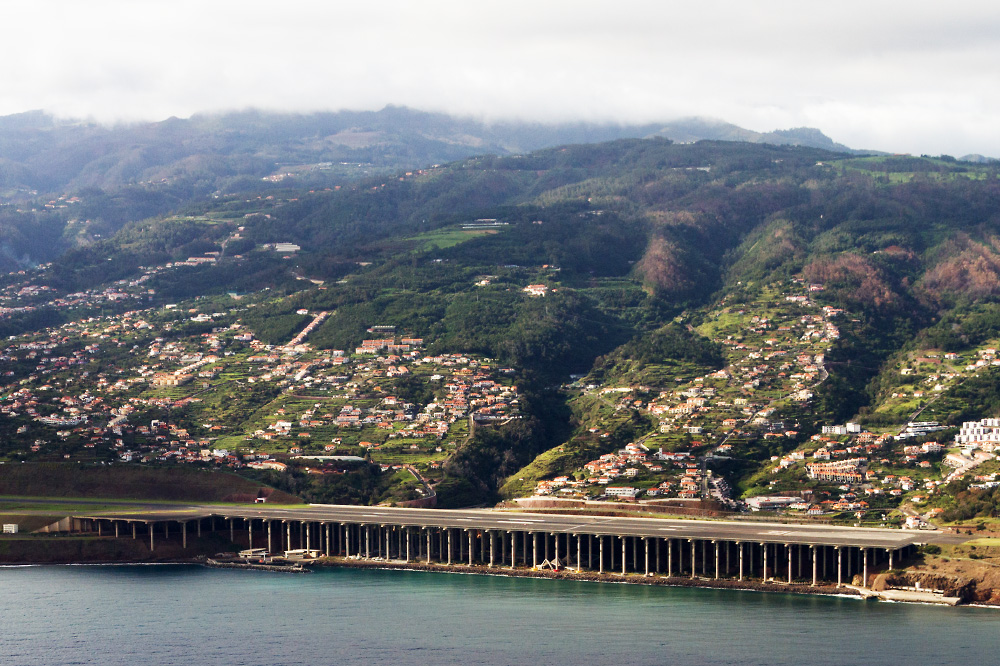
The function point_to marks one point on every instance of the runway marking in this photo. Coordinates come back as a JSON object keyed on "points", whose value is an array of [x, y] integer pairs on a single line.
{"points": [[520, 522], [668, 529], [777, 532]]}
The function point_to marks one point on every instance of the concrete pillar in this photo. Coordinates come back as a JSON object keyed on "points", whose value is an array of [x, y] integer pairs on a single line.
{"points": [[545, 540], [840, 559], [579, 554], [624, 541], [288, 534], [449, 546], [184, 535], [600, 545], [739, 545], [151, 545], [864, 559], [814, 565], [590, 552], [716, 559], [693, 570], [556, 536], [232, 533], [646, 540], [270, 536], [133, 530], [250, 533], [368, 542], [657, 567], [704, 558], [492, 540], [513, 550], [198, 523], [635, 553], [890, 551], [788, 551], [534, 550], [472, 535], [670, 558], [764, 546]]}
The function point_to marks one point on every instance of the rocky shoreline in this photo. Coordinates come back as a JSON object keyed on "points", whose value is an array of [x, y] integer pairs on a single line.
{"points": [[593, 576]]}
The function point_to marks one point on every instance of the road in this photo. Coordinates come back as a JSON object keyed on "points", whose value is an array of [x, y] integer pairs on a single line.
{"points": [[489, 519]]}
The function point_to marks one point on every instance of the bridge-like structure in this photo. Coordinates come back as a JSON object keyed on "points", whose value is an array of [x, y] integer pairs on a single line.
{"points": [[799, 553]]}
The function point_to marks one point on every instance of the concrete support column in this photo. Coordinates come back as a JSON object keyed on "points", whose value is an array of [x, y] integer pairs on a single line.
{"points": [[579, 554], [250, 533], [864, 559], [600, 545], [151, 545], [670, 558], [184, 535], [116, 529], [133, 531], [472, 535], [270, 536], [513, 550], [716, 559], [739, 545], [492, 544], [288, 535], [590, 552], [646, 540], [556, 536], [764, 546], [624, 541], [406, 533], [840, 559], [657, 566], [890, 551], [814, 565], [693, 550], [449, 546], [788, 550], [534, 550], [368, 542]]}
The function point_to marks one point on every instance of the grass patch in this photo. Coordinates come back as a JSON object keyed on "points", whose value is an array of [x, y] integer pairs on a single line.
{"points": [[60, 480]]}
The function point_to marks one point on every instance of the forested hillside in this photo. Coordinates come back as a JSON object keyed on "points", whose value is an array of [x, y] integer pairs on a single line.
{"points": [[720, 300]]}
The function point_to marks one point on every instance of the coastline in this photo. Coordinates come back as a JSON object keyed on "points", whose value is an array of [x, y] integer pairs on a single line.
{"points": [[660, 580]]}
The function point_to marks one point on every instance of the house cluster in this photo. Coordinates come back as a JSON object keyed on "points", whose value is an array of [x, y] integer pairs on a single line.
{"points": [[663, 474]]}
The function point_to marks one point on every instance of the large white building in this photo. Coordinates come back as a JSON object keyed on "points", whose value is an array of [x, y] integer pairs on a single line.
{"points": [[985, 434]]}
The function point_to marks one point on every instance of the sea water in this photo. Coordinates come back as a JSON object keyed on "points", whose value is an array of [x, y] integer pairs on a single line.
{"points": [[188, 615]]}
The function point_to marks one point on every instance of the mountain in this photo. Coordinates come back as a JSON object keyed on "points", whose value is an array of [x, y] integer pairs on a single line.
{"points": [[733, 301], [48, 155]]}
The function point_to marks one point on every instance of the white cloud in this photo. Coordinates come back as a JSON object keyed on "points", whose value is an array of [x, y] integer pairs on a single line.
{"points": [[911, 76]]}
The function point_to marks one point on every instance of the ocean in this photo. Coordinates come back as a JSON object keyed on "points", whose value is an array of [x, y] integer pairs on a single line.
{"points": [[187, 615]]}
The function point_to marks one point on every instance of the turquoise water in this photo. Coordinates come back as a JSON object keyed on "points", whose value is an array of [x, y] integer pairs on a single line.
{"points": [[189, 615]]}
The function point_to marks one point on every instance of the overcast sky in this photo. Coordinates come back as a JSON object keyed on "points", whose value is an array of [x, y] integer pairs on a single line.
{"points": [[913, 76]]}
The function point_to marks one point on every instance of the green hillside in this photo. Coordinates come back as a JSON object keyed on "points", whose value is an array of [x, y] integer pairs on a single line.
{"points": [[721, 302]]}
